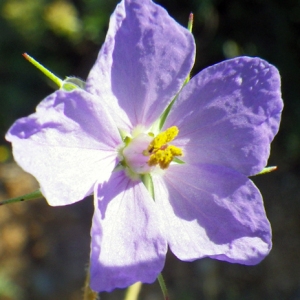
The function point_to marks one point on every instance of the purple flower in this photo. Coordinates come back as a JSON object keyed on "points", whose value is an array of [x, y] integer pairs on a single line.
{"points": [[105, 139]]}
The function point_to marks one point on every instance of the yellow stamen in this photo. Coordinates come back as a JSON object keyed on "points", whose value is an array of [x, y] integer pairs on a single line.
{"points": [[163, 138], [160, 152]]}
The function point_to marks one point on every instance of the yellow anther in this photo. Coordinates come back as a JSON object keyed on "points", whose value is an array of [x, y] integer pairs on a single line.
{"points": [[160, 152], [175, 150], [163, 138]]}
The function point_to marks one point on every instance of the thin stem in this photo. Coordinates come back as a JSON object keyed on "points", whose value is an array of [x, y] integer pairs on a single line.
{"points": [[48, 73], [163, 287], [133, 291], [31, 196], [88, 293]]}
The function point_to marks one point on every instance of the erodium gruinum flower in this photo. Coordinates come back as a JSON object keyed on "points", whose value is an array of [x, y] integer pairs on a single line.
{"points": [[112, 136]]}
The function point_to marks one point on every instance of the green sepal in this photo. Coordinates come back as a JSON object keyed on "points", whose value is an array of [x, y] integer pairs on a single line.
{"points": [[72, 83], [124, 134], [44, 70], [178, 161], [190, 29], [190, 22], [267, 170], [159, 123], [31, 196], [147, 181]]}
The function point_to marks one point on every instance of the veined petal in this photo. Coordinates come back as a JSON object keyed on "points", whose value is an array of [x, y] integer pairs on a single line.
{"points": [[228, 114], [68, 145], [212, 211], [127, 245], [143, 63]]}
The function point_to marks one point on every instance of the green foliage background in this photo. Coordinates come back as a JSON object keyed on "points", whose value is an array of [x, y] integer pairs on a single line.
{"points": [[66, 36]]}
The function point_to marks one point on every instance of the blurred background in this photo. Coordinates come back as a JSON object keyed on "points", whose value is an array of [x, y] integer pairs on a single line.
{"points": [[44, 250]]}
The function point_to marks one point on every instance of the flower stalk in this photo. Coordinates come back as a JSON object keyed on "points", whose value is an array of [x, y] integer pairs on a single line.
{"points": [[31, 196], [163, 286], [132, 293]]}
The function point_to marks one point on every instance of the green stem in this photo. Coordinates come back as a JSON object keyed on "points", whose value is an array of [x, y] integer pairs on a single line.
{"points": [[133, 291], [31, 196], [163, 287], [49, 74]]}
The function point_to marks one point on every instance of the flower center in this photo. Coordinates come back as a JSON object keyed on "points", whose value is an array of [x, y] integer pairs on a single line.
{"points": [[143, 152], [160, 152]]}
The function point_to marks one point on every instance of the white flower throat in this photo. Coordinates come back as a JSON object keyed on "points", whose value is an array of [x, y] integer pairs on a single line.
{"points": [[143, 152]]}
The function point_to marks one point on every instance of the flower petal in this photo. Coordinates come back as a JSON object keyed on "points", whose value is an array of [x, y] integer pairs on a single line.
{"points": [[228, 114], [127, 245], [143, 63], [212, 211], [68, 145]]}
